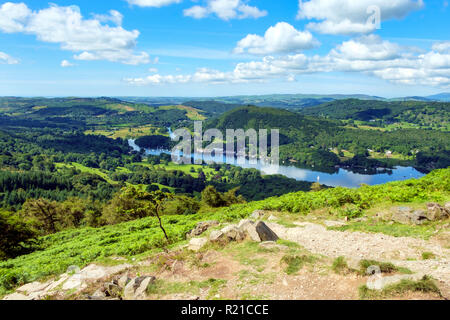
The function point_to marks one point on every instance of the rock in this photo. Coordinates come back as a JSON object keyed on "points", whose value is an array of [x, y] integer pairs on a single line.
{"points": [[201, 228], [32, 287], [379, 282], [216, 236], [123, 281], [258, 214], [265, 233], [272, 218], [197, 243], [232, 233], [227, 234], [437, 212], [447, 206], [141, 291], [248, 227], [17, 296], [136, 288], [98, 294], [406, 215], [418, 217], [112, 290]]}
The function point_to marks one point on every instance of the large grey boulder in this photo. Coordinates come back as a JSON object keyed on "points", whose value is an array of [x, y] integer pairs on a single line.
{"points": [[248, 227], [265, 233], [406, 215]]}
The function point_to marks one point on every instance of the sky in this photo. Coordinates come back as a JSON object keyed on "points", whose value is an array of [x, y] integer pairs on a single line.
{"points": [[200, 48]]}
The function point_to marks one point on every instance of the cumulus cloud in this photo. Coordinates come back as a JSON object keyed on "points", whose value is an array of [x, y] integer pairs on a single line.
{"points": [[66, 64], [152, 3], [442, 46], [225, 10], [369, 55], [353, 17], [88, 38], [281, 38], [7, 59]]}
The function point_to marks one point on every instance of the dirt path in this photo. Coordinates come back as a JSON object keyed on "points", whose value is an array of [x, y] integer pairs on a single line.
{"points": [[355, 246]]}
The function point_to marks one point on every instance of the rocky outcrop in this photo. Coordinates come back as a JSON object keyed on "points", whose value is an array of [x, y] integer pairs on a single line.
{"points": [[73, 281], [407, 215]]}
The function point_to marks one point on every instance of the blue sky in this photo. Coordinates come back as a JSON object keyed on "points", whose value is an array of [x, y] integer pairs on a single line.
{"points": [[223, 47]]}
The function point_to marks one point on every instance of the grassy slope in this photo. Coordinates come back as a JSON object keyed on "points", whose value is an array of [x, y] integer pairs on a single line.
{"points": [[83, 246]]}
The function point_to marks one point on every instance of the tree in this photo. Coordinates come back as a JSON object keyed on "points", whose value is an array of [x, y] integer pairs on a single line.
{"points": [[212, 198], [42, 215], [16, 236]]}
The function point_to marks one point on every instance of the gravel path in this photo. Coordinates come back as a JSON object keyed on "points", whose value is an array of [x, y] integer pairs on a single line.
{"points": [[356, 246]]}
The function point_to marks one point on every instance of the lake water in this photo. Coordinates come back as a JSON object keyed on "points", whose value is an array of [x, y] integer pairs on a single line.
{"points": [[342, 177]]}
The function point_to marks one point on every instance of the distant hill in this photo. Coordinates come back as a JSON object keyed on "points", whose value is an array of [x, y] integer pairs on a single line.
{"points": [[424, 113], [211, 108], [440, 97]]}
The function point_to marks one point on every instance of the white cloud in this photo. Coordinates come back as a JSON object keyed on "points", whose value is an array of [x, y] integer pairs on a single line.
{"points": [[89, 38], [368, 55], [152, 3], [369, 47], [352, 17], [13, 17], [114, 16], [66, 64], [225, 10], [442, 46], [7, 59], [153, 70], [281, 38]]}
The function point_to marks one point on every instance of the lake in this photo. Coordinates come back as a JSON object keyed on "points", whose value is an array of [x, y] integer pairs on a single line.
{"points": [[342, 177]]}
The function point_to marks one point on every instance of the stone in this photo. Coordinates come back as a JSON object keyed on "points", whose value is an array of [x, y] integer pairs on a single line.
{"points": [[112, 290], [99, 294], [248, 227], [437, 212], [272, 218], [232, 233], [379, 282], [418, 217], [406, 215], [123, 281], [216, 236], [265, 233], [258, 214], [136, 287], [197, 243], [201, 228], [141, 291], [17, 297], [32, 287]]}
